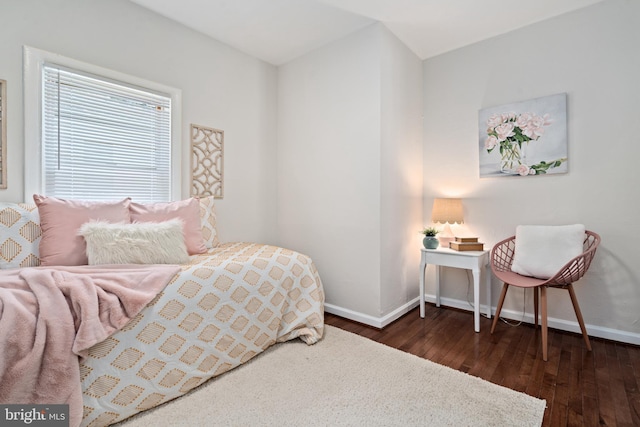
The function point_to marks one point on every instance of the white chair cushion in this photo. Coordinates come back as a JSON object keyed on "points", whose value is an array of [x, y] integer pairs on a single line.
{"points": [[542, 250]]}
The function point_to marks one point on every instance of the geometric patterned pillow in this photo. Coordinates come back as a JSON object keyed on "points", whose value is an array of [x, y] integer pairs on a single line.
{"points": [[208, 221], [20, 234]]}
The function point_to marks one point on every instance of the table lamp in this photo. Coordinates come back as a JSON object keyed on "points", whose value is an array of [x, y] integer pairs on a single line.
{"points": [[447, 211]]}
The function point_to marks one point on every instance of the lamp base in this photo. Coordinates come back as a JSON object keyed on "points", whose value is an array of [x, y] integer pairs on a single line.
{"points": [[444, 241], [446, 236]]}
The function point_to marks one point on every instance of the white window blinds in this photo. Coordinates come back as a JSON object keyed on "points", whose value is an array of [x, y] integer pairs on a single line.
{"points": [[104, 140]]}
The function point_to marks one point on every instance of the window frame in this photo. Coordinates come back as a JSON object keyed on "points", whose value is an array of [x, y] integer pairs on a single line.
{"points": [[34, 60]]}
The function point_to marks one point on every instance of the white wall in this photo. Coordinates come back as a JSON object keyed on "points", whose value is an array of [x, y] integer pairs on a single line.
{"points": [[592, 55], [329, 165], [349, 169], [221, 88], [401, 176]]}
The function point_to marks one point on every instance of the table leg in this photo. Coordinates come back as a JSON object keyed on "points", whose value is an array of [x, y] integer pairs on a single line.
{"points": [[476, 299], [487, 279], [423, 267], [437, 286]]}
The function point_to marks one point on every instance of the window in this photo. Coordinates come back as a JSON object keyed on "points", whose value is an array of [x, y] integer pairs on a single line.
{"points": [[101, 135]]}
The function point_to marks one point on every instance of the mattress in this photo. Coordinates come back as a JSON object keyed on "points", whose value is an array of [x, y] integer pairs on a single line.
{"points": [[224, 308]]}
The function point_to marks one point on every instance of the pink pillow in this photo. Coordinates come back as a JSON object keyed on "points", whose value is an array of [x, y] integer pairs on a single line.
{"points": [[60, 221], [187, 210]]}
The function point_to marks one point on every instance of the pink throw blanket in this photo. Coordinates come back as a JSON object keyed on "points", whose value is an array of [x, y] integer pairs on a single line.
{"points": [[50, 316]]}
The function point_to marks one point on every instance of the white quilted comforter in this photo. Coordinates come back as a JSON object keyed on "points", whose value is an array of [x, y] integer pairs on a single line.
{"points": [[224, 308]]}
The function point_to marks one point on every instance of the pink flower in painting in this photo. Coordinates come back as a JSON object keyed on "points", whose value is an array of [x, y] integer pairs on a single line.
{"points": [[504, 131], [510, 116], [490, 142], [534, 128], [529, 131], [494, 121], [523, 120], [524, 170]]}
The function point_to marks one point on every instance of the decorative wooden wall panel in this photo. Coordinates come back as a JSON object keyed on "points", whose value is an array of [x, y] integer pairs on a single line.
{"points": [[207, 172], [3, 134]]}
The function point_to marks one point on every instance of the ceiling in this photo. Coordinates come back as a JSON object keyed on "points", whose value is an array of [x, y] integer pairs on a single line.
{"points": [[278, 31]]}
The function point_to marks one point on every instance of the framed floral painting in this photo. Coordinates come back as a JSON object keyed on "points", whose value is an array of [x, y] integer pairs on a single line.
{"points": [[526, 138]]}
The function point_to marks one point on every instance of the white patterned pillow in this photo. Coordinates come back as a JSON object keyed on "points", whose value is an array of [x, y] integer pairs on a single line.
{"points": [[208, 220], [20, 234]]}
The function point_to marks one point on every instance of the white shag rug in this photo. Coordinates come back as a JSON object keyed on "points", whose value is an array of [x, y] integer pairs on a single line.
{"points": [[344, 380]]}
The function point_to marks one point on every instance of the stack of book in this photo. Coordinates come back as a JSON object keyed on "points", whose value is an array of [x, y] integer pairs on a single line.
{"points": [[466, 244]]}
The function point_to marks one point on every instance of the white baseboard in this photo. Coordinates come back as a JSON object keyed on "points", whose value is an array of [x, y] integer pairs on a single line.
{"points": [[376, 322], [560, 324]]}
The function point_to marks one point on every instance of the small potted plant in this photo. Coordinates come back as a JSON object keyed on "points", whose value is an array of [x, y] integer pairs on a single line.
{"points": [[430, 241]]}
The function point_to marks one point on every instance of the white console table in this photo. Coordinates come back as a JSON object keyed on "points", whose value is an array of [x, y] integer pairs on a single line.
{"points": [[476, 261]]}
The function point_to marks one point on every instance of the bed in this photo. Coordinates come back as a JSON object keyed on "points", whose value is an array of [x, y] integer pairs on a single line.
{"points": [[223, 307]]}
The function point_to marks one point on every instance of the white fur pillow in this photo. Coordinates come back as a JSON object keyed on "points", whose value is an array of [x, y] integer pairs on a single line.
{"points": [[137, 243], [542, 250]]}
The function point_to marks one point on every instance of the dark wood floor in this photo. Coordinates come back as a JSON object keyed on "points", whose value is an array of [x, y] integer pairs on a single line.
{"points": [[581, 388]]}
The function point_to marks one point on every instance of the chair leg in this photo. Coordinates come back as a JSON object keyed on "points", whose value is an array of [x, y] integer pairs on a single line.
{"points": [[576, 307], [535, 306], [543, 301], [503, 294]]}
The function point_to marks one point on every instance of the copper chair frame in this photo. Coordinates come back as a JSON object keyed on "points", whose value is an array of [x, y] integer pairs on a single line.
{"points": [[502, 256]]}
